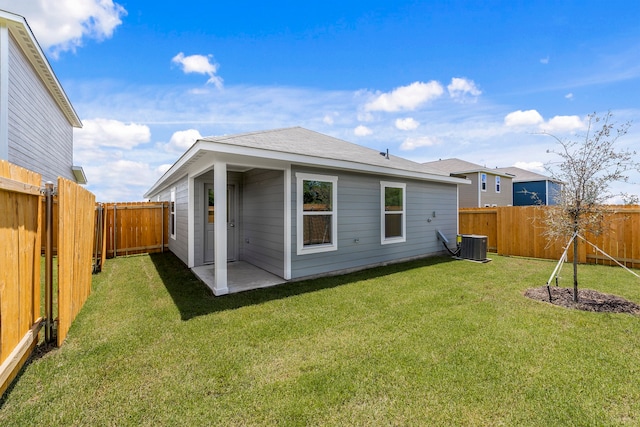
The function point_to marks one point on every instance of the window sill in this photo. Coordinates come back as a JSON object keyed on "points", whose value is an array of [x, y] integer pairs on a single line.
{"points": [[316, 249], [392, 240]]}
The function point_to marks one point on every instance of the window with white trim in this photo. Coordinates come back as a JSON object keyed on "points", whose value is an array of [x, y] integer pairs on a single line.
{"points": [[497, 184], [393, 212], [317, 218], [483, 181], [172, 215]]}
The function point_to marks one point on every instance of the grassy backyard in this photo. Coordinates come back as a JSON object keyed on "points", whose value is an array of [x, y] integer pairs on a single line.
{"points": [[432, 342]]}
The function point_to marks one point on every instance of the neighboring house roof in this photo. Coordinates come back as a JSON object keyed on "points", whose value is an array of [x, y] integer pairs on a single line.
{"points": [[523, 175], [304, 147], [459, 167], [22, 33]]}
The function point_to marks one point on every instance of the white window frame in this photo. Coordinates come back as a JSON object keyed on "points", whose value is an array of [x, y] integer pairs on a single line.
{"points": [[498, 183], [300, 213], [483, 182], [172, 214], [397, 239]]}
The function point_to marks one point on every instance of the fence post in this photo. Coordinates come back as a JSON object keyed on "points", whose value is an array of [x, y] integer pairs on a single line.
{"points": [[115, 231], [162, 231], [48, 292], [97, 255]]}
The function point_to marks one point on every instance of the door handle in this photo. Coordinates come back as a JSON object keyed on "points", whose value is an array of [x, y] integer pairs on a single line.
{"points": [[231, 224]]}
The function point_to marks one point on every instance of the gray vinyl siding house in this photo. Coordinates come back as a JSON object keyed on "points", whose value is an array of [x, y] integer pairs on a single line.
{"points": [[489, 187], [36, 117], [300, 204]]}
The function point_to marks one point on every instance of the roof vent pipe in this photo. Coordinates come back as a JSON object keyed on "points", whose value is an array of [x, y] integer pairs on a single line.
{"points": [[386, 155]]}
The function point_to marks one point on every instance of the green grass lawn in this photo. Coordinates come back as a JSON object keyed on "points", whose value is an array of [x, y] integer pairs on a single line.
{"points": [[431, 342]]}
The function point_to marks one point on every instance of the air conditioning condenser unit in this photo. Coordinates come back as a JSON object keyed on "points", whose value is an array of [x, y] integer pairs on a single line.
{"points": [[474, 247]]}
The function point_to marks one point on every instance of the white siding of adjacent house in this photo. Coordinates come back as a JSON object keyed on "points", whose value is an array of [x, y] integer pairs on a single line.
{"points": [[40, 138]]}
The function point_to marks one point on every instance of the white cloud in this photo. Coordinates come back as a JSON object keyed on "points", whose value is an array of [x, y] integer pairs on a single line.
{"points": [[569, 96], [563, 124], [406, 97], [365, 116], [523, 118], [109, 177], [463, 90], [183, 139], [407, 124], [544, 61], [477, 134], [62, 25], [329, 119], [362, 131], [533, 118], [163, 168], [199, 64], [530, 166], [110, 133], [423, 141]]}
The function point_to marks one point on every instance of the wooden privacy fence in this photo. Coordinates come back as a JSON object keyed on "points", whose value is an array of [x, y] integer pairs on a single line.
{"points": [[124, 228], [21, 229], [135, 227], [519, 231], [75, 250]]}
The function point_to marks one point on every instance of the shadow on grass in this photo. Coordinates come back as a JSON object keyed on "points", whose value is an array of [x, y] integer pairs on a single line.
{"points": [[193, 298]]}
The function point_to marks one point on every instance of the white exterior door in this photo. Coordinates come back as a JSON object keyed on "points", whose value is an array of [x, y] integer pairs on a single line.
{"points": [[209, 226]]}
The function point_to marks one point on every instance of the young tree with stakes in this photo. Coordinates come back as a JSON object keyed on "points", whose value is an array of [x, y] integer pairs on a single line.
{"points": [[587, 168]]}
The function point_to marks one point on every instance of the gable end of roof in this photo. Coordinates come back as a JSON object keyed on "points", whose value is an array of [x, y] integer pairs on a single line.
{"points": [[21, 32]]}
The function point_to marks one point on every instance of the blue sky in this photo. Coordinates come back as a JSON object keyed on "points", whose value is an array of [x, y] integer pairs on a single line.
{"points": [[426, 79]]}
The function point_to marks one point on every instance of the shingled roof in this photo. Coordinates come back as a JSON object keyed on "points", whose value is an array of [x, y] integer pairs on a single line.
{"points": [[455, 166], [523, 175], [298, 140], [299, 146]]}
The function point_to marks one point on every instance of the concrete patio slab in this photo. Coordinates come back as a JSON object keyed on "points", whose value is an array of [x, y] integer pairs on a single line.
{"points": [[241, 276]]}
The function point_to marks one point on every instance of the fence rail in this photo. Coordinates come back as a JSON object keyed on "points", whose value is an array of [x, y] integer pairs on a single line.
{"points": [[519, 231]]}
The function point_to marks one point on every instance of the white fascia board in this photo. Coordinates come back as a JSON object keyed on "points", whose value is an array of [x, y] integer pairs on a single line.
{"points": [[30, 47], [300, 159], [166, 177], [254, 157], [487, 171]]}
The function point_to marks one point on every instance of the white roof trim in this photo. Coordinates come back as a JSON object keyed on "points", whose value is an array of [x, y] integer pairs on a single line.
{"points": [[271, 156], [487, 171], [21, 32]]}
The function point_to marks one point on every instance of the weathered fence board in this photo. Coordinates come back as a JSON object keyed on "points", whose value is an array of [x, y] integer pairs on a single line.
{"points": [[20, 229], [519, 231]]}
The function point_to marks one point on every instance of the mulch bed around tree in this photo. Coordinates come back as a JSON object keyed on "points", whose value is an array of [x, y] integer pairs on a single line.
{"points": [[588, 300]]}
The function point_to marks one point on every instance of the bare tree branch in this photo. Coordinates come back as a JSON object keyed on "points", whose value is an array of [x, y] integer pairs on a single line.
{"points": [[587, 168]]}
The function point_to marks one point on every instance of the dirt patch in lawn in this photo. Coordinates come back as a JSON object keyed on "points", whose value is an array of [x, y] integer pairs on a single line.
{"points": [[588, 300]]}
